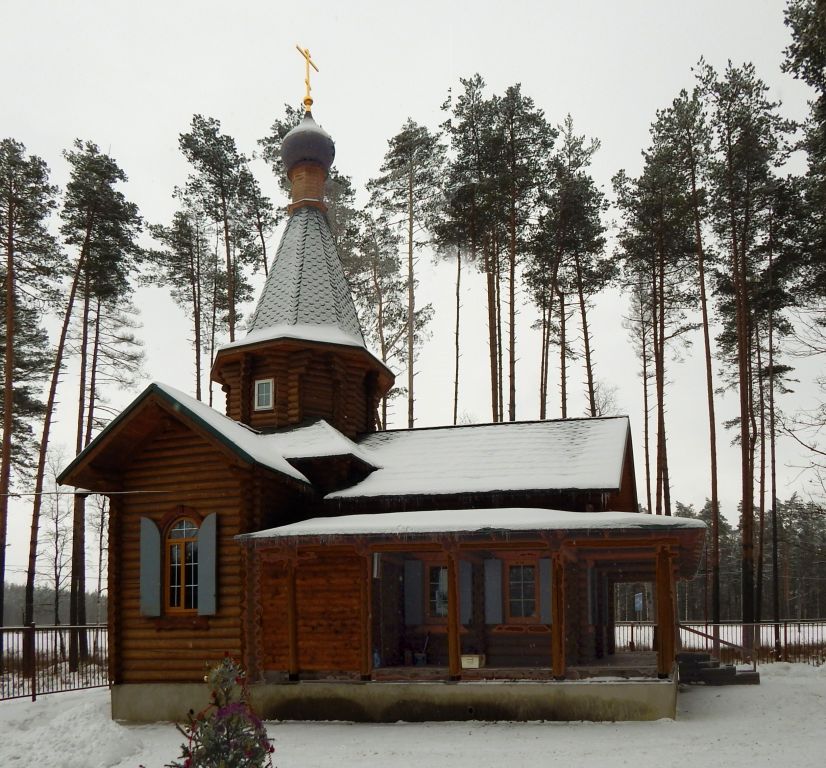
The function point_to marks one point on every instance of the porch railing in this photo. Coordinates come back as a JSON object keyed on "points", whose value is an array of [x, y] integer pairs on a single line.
{"points": [[736, 643], [37, 660]]}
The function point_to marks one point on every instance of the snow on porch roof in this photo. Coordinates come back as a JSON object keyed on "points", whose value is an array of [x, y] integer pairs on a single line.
{"points": [[580, 454], [504, 519]]}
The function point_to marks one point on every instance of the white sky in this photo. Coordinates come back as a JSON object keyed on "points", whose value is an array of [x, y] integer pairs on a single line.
{"points": [[129, 76]]}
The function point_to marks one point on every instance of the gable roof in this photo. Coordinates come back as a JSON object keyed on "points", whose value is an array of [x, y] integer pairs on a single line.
{"points": [[245, 442], [568, 454], [572, 454]]}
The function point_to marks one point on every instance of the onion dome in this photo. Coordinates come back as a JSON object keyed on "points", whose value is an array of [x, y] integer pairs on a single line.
{"points": [[307, 143]]}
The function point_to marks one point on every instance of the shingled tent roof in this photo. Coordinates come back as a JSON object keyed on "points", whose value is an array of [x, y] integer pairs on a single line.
{"points": [[306, 288]]}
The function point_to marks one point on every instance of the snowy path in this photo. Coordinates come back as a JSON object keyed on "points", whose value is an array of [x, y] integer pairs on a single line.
{"points": [[780, 722]]}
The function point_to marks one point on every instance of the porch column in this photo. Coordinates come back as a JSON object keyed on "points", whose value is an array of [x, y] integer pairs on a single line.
{"points": [[292, 621], [557, 616], [665, 614], [366, 601], [453, 647]]}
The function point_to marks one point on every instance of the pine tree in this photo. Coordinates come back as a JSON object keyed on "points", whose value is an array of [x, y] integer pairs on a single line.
{"points": [[102, 225], [750, 142], [216, 182], [380, 292], [470, 128], [28, 268], [523, 141], [408, 188], [184, 264]]}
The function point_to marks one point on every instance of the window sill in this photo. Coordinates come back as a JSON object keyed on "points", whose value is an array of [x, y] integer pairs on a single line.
{"points": [[521, 628], [166, 623]]}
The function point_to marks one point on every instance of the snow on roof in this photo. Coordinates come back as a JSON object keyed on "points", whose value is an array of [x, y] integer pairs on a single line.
{"points": [[315, 440], [323, 334], [474, 521], [583, 454], [247, 441]]}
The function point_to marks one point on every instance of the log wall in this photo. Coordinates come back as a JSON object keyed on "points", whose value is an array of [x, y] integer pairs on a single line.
{"points": [[328, 608], [310, 383], [177, 467]]}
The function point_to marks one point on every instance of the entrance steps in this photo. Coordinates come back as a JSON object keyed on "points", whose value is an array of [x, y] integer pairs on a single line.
{"points": [[697, 667]]}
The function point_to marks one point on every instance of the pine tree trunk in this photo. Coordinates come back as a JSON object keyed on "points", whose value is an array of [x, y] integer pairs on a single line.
{"points": [[738, 272], [380, 329], [411, 305], [492, 346], [259, 225], [8, 406], [512, 314], [230, 269], [543, 361], [77, 587], [500, 376], [93, 375], [214, 317], [646, 411], [456, 334], [761, 531], [194, 287], [47, 424], [655, 327], [712, 422], [586, 341], [773, 456], [563, 352]]}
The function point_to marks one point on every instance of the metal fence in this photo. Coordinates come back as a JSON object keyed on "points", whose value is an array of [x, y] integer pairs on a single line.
{"points": [[37, 660], [796, 641]]}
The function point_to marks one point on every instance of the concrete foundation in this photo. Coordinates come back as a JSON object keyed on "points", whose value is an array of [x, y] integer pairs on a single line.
{"points": [[374, 702]]}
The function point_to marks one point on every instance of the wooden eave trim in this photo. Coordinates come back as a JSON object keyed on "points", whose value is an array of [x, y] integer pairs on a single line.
{"points": [[153, 395]]}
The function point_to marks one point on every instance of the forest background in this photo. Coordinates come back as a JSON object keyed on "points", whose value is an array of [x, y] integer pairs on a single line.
{"points": [[128, 81]]}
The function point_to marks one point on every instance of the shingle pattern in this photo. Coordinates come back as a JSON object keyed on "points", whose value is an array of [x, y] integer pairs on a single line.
{"points": [[306, 284], [566, 454]]}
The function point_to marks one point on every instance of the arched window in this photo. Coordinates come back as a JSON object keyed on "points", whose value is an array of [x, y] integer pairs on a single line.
{"points": [[181, 549], [179, 563]]}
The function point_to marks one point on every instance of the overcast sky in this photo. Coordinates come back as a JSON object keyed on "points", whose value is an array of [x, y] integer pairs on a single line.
{"points": [[130, 75]]}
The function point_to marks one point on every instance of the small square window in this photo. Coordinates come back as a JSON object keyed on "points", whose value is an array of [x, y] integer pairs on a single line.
{"points": [[264, 389]]}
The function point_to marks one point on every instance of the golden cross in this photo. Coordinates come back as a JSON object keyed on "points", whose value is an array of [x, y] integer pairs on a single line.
{"points": [[305, 52]]}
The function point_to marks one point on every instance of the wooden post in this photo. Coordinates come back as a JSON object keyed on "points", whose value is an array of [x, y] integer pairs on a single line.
{"points": [[366, 589], [665, 614], [292, 620], [557, 616], [454, 653]]}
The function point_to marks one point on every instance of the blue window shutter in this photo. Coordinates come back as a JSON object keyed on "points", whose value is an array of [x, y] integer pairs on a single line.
{"points": [[413, 597], [545, 590], [465, 592], [493, 591], [207, 560], [150, 568]]}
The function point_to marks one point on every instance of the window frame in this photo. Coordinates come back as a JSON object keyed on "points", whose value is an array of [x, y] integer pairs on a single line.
{"points": [[168, 543], [430, 618], [521, 562], [255, 402]]}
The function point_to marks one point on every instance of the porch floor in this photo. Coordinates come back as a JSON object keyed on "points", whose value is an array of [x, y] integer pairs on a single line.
{"points": [[625, 665]]}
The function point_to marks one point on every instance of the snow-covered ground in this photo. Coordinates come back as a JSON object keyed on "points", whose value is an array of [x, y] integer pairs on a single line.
{"points": [[780, 722]]}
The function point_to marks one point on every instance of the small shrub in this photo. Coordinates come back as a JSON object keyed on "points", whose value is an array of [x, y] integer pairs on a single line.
{"points": [[226, 733]]}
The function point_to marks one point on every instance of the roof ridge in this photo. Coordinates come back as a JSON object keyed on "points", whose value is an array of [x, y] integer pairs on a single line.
{"points": [[496, 424]]}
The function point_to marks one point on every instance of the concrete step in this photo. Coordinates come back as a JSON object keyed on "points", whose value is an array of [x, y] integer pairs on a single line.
{"points": [[691, 657]]}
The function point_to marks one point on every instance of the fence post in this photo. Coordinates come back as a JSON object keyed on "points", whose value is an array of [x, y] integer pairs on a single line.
{"points": [[29, 651]]}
